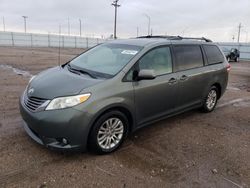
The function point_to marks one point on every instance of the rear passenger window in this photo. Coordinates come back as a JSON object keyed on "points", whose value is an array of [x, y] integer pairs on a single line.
{"points": [[213, 54], [158, 59], [188, 57]]}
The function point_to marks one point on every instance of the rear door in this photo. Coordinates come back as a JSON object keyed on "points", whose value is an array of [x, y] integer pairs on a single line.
{"points": [[155, 98], [191, 73]]}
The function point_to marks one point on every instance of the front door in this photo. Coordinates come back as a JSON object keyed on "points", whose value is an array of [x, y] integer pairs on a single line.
{"points": [[157, 97]]}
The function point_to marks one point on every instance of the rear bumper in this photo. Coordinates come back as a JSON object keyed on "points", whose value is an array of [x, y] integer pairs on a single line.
{"points": [[49, 128]]}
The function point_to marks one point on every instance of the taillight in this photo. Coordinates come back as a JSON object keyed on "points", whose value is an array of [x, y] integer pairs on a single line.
{"points": [[228, 67]]}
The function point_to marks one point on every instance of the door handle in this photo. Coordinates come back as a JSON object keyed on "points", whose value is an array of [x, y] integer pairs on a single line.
{"points": [[183, 78], [172, 81]]}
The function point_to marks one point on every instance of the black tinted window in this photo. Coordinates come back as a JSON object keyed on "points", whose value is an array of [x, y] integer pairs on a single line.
{"points": [[158, 59], [188, 57], [213, 54]]}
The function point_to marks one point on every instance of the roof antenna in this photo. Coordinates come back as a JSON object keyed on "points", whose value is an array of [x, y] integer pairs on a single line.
{"points": [[59, 48]]}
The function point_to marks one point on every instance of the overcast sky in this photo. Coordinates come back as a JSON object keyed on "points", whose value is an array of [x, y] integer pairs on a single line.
{"points": [[215, 19]]}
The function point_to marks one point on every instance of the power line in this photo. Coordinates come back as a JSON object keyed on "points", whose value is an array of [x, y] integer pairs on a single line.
{"points": [[116, 5]]}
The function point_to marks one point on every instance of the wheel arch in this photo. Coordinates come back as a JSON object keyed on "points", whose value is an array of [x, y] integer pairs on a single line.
{"points": [[218, 86], [122, 109]]}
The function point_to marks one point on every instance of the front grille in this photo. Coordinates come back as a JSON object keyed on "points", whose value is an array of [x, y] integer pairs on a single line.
{"points": [[33, 103]]}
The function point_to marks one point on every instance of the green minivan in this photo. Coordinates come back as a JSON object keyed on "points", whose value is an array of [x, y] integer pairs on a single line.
{"points": [[95, 100]]}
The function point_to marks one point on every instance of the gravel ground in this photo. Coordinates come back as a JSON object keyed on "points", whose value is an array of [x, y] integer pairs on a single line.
{"points": [[189, 150]]}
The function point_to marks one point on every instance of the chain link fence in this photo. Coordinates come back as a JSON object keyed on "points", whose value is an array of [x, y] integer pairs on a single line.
{"points": [[64, 41], [46, 40]]}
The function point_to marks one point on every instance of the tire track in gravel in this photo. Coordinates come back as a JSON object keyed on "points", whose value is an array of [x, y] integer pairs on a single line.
{"points": [[25, 172]]}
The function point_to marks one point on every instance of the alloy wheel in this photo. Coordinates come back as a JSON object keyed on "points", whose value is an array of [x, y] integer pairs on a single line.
{"points": [[110, 133], [211, 99]]}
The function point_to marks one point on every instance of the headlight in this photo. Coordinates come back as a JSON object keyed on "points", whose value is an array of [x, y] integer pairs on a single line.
{"points": [[65, 102]]}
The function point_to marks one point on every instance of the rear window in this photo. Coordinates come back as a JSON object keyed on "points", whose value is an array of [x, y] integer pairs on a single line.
{"points": [[213, 54], [188, 57]]}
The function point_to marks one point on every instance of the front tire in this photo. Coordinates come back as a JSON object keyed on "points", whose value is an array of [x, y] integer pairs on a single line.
{"points": [[109, 132], [210, 100]]}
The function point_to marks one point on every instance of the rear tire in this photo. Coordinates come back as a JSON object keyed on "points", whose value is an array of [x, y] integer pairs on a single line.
{"points": [[210, 100], [236, 59], [108, 132]]}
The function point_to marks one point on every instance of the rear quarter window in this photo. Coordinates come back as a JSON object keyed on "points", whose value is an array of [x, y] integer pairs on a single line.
{"points": [[213, 54]]}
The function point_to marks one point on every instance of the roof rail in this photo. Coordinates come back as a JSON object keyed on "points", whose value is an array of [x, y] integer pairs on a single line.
{"points": [[194, 38], [175, 37]]}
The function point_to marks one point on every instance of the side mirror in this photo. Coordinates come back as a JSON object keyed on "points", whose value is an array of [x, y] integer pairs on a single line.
{"points": [[146, 74]]}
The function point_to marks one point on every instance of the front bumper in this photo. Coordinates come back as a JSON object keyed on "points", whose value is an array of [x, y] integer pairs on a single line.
{"points": [[48, 128]]}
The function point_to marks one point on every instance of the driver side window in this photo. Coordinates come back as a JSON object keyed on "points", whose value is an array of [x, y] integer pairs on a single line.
{"points": [[158, 59]]}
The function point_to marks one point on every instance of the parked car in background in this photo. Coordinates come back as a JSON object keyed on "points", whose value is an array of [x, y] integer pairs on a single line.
{"points": [[113, 89], [232, 55]]}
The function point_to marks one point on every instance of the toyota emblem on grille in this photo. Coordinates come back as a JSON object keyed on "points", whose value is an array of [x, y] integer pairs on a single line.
{"points": [[30, 91]]}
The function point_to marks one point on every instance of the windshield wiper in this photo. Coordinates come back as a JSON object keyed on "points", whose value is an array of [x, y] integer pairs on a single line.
{"points": [[73, 70], [77, 71], [88, 73]]}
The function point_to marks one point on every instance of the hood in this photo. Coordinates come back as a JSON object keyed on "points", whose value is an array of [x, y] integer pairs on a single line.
{"points": [[56, 82]]}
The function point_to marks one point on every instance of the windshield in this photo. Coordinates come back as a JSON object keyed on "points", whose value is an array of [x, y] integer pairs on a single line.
{"points": [[105, 59]]}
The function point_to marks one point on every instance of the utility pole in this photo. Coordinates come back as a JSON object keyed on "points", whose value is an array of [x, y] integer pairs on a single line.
{"points": [[137, 31], [3, 24], [116, 5], [59, 31], [68, 27], [59, 46], [240, 26], [149, 22], [24, 19], [80, 21]]}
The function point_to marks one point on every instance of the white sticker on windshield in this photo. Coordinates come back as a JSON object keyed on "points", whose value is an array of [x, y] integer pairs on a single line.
{"points": [[129, 52]]}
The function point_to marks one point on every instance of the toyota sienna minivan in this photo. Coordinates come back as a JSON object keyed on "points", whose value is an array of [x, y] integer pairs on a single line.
{"points": [[95, 100]]}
